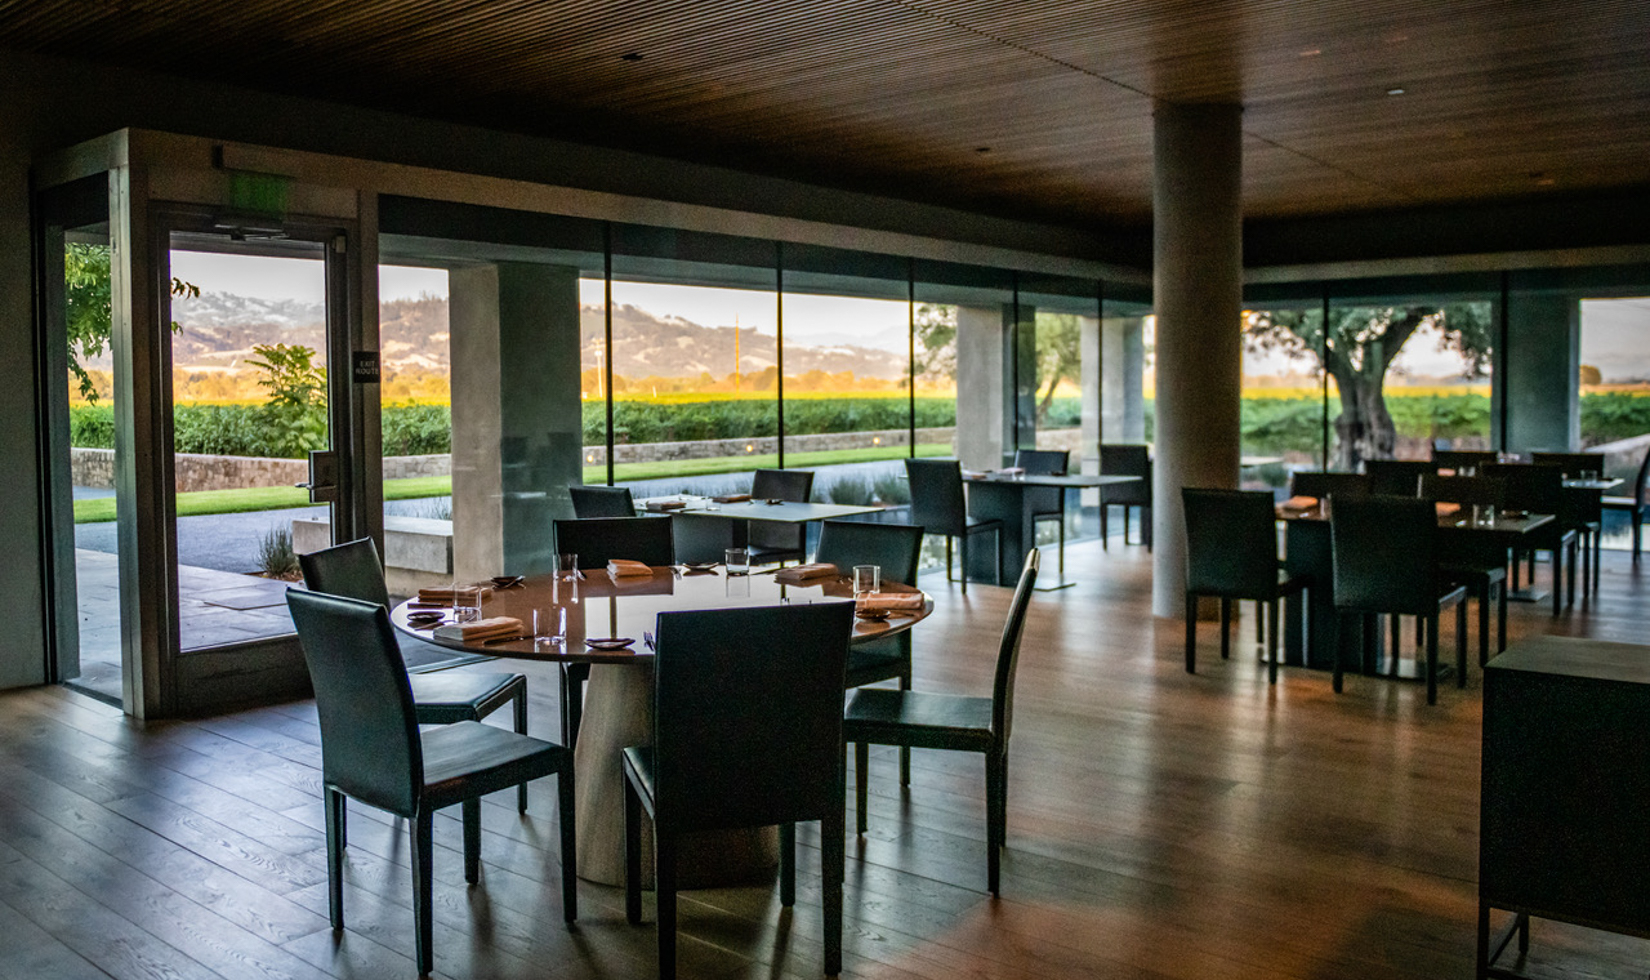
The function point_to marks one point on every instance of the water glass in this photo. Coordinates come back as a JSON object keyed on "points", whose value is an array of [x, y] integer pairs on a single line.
{"points": [[1483, 515], [867, 580], [738, 561], [550, 628], [567, 566], [737, 586], [466, 603]]}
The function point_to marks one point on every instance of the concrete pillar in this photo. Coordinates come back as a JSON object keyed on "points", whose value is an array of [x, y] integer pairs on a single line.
{"points": [[1541, 373], [1090, 376], [985, 419], [517, 428], [1122, 390], [1197, 289]]}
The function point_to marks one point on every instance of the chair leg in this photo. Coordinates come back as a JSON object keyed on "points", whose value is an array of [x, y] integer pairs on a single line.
{"points": [[1225, 628], [1105, 530], [1146, 533], [905, 750], [962, 546], [422, 854], [1272, 642], [569, 844], [832, 859], [948, 577], [664, 884], [1396, 623], [1461, 643], [1638, 534], [787, 864], [1432, 658], [632, 855], [1598, 554], [1484, 622], [1340, 625], [993, 812], [1501, 620], [472, 838], [1127, 511], [862, 760], [1191, 632], [334, 803], [1260, 621], [521, 729], [997, 553]]}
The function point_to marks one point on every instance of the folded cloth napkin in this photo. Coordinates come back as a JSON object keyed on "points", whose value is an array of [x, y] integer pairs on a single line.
{"points": [[468, 592], [1446, 509], [806, 573], [732, 498], [892, 601], [1299, 503], [660, 506], [620, 568], [480, 629]]}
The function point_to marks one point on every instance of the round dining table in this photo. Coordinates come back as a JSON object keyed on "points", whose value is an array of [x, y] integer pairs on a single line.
{"points": [[558, 615]]}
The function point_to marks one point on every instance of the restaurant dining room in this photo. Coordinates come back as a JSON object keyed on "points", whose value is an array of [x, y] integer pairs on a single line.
{"points": [[885, 490]]}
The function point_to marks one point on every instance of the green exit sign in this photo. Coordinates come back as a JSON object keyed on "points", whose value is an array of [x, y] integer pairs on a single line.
{"points": [[260, 194]]}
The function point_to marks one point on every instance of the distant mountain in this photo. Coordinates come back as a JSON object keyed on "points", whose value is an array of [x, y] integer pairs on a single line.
{"points": [[220, 329]]}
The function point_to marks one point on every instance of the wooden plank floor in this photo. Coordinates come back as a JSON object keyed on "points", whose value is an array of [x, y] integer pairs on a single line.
{"points": [[1160, 826]]}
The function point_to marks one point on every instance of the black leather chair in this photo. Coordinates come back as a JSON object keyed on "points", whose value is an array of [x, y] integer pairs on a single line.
{"points": [[1479, 565], [1636, 505], [1323, 484], [769, 541], [1124, 459], [1397, 477], [896, 548], [1461, 460], [1385, 560], [938, 504], [1232, 553], [747, 732], [597, 541], [373, 751], [597, 501], [443, 697], [1540, 490], [1046, 503], [913, 719], [1584, 509]]}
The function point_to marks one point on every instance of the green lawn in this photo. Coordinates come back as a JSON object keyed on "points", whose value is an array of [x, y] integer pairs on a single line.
{"points": [[201, 502]]}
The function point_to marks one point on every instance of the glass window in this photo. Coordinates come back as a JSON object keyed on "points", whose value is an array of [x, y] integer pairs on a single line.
{"points": [[1283, 395], [1615, 396]]}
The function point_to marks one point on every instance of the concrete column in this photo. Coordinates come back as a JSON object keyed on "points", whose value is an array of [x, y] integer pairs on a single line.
{"points": [[1092, 411], [1542, 372], [1197, 288], [516, 414], [985, 420], [1122, 390]]}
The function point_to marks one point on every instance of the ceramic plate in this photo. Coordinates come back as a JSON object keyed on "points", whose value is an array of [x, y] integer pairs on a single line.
{"points": [[608, 642]]}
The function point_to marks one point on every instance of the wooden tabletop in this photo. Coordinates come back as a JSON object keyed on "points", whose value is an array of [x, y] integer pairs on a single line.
{"points": [[600, 606]]}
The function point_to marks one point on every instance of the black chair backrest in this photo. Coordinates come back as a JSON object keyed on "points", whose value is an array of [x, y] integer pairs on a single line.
{"points": [[1463, 459], [794, 485], [895, 547], [1467, 490], [1537, 489], [1641, 484], [1127, 459], [1383, 554], [747, 724], [1231, 542], [599, 540], [937, 501], [1320, 484], [1572, 465], [369, 733], [1043, 462], [1008, 651], [602, 502], [1397, 477], [351, 570]]}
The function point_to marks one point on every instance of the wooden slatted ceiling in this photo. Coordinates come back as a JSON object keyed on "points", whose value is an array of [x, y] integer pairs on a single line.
{"points": [[899, 95]]}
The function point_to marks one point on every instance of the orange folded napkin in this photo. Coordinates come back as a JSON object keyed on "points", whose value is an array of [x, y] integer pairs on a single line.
{"points": [[1299, 503], [806, 573], [620, 568], [1446, 509], [480, 629], [891, 601], [468, 592], [732, 498]]}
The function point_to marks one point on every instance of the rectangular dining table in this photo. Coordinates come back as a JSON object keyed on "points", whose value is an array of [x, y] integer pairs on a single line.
{"points": [[1312, 635], [705, 528]]}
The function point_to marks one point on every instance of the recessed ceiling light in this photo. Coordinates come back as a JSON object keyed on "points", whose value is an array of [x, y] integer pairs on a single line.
{"points": [[1395, 91], [1311, 52], [631, 56]]}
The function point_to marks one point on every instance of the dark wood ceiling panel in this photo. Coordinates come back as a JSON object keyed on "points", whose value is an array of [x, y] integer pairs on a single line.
{"points": [[1039, 108]]}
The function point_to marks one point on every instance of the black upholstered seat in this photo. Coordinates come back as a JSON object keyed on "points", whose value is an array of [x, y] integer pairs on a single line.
{"points": [[1540, 490], [1126, 459], [1466, 559], [938, 504], [916, 719], [372, 750], [728, 753], [1046, 503], [598, 501], [1397, 477], [771, 541], [353, 570]]}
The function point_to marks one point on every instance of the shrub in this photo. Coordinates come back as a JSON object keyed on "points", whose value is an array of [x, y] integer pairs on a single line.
{"points": [[417, 430], [276, 558]]}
